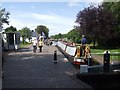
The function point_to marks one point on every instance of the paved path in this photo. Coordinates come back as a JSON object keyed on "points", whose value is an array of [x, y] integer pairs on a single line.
{"points": [[25, 69]]}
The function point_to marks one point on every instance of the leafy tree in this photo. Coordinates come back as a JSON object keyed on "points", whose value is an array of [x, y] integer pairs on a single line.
{"points": [[43, 29], [64, 35], [96, 23], [114, 7], [55, 36], [87, 21], [25, 33], [59, 36], [106, 24], [4, 16], [10, 29], [74, 35]]}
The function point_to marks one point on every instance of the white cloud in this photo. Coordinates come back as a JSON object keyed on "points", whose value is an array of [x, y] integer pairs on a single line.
{"points": [[58, 0], [54, 19], [19, 24], [33, 7], [55, 0], [72, 4], [90, 0], [55, 23], [56, 29], [42, 16], [83, 4]]}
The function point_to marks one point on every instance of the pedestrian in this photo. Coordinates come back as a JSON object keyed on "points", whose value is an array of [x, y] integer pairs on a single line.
{"points": [[34, 43], [83, 42], [40, 44]]}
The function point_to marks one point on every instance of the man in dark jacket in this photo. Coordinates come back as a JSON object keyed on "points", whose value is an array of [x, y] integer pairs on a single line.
{"points": [[83, 42]]}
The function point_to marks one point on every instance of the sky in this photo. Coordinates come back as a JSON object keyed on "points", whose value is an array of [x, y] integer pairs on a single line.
{"points": [[59, 17]]}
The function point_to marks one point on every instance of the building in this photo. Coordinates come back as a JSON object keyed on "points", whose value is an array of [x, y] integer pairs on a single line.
{"points": [[12, 40]]}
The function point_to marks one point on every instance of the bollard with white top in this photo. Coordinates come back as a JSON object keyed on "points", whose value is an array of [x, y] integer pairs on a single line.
{"points": [[106, 61]]}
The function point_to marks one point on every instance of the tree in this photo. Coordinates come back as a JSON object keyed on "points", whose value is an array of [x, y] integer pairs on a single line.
{"points": [[10, 29], [96, 23], [4, 16], [87, 21], [25, 33], [106, 24], [114, 7], [74, 35], [59, 36], [43, 29]]}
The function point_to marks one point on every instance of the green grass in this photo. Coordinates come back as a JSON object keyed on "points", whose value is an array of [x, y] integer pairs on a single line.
{"points": [[97, 50], [112, 56], [102, 50], [24, 45]]}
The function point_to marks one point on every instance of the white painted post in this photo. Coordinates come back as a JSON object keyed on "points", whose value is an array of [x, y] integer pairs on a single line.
{"points": [[0, 57]]}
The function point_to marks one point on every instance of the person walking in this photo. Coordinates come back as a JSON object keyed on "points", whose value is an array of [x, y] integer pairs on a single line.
{"points": [[40, 44], [34, 43]]}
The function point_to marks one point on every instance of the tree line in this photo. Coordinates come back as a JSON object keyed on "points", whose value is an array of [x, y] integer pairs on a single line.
{"points": [[25, 32]]}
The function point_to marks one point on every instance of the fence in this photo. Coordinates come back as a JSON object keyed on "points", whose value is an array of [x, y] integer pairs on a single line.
{"points": [[114, 57]]}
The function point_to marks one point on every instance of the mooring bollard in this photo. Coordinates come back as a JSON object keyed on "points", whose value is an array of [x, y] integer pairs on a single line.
{"points": [[55, 56], [106, 62], [90, 62]]}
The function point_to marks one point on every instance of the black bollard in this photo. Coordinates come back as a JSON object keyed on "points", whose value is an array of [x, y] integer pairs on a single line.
{"points": [[106, 62], [90, 63], [55, 56]]}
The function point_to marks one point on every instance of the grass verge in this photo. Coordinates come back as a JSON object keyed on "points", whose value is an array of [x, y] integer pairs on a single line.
{"points": [[24, 45], [115, 53]]}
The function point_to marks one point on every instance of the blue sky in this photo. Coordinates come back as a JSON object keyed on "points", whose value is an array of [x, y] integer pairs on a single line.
{"points": [[59, 17]]}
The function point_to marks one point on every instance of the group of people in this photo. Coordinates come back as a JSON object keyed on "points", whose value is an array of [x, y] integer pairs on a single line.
{"points": [[37, 43]]}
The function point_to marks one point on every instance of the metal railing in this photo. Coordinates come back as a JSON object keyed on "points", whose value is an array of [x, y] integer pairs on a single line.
{"points": [[114, 57]]}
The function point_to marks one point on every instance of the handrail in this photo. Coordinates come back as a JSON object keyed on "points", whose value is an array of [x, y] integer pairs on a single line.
{"points": [[113, 53]]}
